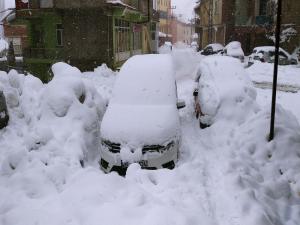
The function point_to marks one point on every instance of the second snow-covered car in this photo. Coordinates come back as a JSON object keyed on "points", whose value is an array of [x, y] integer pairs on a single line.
{"points": [[267, 54], [212, 49], [223, 91], [141, 124]]}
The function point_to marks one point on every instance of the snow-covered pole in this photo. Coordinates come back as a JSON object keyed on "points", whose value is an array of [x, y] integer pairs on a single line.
{"points": [[277, 41]]}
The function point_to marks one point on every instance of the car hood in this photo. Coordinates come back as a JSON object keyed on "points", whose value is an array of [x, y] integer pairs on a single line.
{"points": [[139, 125]]}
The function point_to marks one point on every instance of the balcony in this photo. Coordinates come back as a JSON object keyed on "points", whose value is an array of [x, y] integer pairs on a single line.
{"points": [[263, 20]]}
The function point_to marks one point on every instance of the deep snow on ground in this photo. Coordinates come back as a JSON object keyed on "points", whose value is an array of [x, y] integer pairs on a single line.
{"points": [[263, 72], [290, 101], [227, 174]]}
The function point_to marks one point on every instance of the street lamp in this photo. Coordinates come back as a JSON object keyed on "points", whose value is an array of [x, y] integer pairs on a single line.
{"points": [[277, 37]]}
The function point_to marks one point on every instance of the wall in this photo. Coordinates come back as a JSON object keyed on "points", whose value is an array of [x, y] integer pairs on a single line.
{"points": [[88, 38], [67, 4]]}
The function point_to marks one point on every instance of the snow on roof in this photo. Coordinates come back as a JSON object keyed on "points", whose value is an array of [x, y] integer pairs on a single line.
{"points": [[119, 2], [161, 34], [4, 14]]}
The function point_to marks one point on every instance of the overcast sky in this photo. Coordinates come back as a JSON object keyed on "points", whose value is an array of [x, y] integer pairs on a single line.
{"points": [[185, 8]]}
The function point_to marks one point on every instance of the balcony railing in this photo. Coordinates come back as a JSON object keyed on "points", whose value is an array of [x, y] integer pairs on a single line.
{"points": [[263, 20]]}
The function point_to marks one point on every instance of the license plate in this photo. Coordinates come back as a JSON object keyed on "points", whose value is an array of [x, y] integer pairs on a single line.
{"points": [[143, 163]]}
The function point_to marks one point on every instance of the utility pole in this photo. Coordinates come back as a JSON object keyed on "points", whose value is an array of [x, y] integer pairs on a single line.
{"points": [[277, 42]]}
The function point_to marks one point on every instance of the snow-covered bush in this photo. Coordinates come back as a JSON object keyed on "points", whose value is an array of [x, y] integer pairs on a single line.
{"points": [[52, 133]]}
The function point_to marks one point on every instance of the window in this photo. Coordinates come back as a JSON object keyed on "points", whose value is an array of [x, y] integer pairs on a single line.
{"points": [[17, 45], [59, 35], [216, 8], [262, 7], [122, 30]]}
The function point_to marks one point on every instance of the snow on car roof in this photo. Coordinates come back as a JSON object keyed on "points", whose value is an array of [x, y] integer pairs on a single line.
{"points": [[234, 48], [269, 48], [215, 46], [146, 80]]}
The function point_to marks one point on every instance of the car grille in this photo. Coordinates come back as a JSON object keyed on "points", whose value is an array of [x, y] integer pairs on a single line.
{"points": [[116, 148], [157, 148], [152, 148], [112, 147]]}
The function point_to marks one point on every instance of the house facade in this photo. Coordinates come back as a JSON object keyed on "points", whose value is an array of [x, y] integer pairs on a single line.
{"points": [[165, 20], [182, 31], [82, 33]]}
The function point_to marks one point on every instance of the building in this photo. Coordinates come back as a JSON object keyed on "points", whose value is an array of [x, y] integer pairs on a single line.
{"points": [[250, 22], [215, 22], [82, 33], [165, 16], [182, 31]]}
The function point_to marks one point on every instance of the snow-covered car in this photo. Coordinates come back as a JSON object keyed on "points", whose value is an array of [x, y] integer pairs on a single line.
{"points": [[3, 111], [223, 91], [141, 124], [267, 54], [234, 49], [212, 49]]}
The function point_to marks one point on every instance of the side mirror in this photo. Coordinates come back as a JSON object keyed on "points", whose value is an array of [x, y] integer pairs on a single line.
{"points": [[180, 104]]}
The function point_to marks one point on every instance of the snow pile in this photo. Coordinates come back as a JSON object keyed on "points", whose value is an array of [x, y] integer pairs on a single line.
{"points": [[3, 45], [225, 91], [53, 131], [267, 174], [234, 49], [246, 179], [103, 79], [263, 73]]}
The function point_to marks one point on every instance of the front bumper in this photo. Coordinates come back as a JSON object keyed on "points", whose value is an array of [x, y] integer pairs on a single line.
{"points": [[112, 161]]}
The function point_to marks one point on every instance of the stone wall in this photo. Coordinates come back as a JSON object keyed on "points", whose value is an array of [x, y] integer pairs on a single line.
{"points": [[88, 38]]}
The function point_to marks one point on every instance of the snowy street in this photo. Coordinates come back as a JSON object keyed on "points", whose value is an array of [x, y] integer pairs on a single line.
{"points": [[227, 174]]}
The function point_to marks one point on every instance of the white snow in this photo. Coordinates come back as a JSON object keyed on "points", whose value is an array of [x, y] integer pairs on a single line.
{"points": [[227, 174], [263, 73], [3, 45], [234, 49], [144, 96], [223, 86], [216, 47]]}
